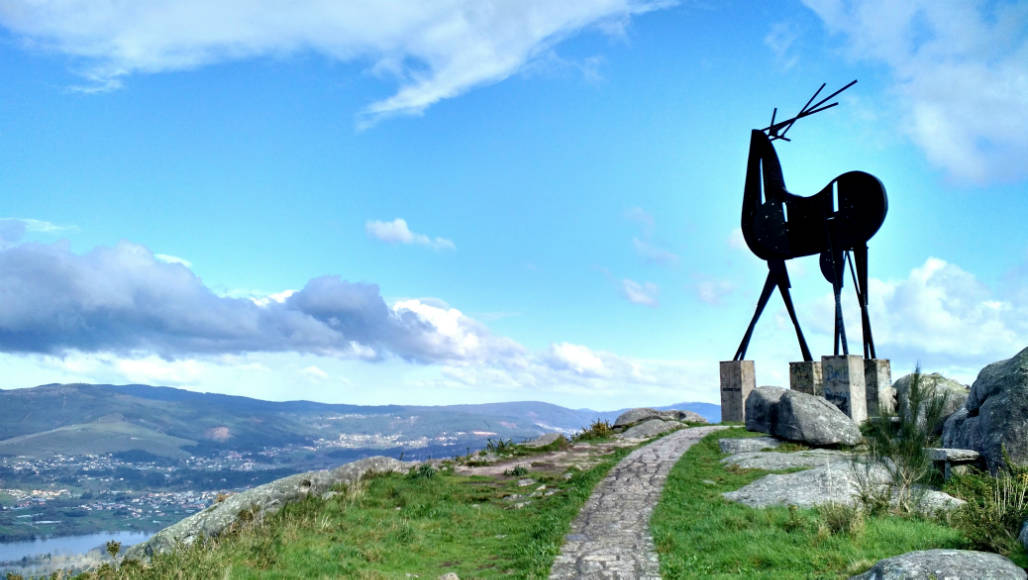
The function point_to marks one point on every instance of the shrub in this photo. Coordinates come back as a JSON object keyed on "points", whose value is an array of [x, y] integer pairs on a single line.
{"points": [[422, 471], [835, 518], [501, 447], [599, 429], [517, 471], [996, 508], [897, 442]]}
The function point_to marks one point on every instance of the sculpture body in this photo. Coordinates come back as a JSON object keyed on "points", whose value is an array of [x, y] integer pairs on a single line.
{"points": [[778, 226]]}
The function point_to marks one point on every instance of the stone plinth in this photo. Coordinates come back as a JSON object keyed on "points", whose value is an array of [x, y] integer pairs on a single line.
{"points": [[738, 379], [805, 377], [844, 384], [878, 385], [954, 461]]}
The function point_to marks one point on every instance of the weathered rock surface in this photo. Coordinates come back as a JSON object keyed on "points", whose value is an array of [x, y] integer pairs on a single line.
{"points": [[258, 502], [650, 428], [800, 417], [953, 394], [634, 416], [944, 564], [733, 446], [995, 416], [543, 440], [833, 482], [774, 461]]}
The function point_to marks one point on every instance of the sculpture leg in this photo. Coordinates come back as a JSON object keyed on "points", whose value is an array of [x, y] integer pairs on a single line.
{"points": [[782, 275], [860, 257], [833, 267], [765, 294], [840, 328]]}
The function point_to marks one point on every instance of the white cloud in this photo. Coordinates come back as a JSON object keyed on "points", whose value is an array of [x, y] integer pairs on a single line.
{"points": [[636, 293], [169, 259], [12, 230], [653, 253], [154, 370], [274, 297], [960, 70], [434, 49], [780, 40], [940, 314], [577, 358], [448, 333], [713, 291], [397, 232], [315, 372]]}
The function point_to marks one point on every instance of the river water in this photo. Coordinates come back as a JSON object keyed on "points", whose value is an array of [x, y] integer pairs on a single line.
{"points": [[12, 551]]}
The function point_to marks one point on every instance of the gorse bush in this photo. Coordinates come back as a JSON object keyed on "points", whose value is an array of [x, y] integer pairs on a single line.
{"points": [[599, 429], [897, 442], [996, 508]]}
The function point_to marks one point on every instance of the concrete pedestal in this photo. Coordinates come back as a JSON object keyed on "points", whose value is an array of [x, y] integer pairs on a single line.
{"points": [[738, 379], [805, 377], [844, 384], [878, 383]]}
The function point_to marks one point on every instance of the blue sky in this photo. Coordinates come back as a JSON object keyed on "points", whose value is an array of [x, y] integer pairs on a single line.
{"points": [[462, 202]]}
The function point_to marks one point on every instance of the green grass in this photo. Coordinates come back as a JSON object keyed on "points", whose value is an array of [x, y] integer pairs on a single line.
{"points": [[392, 525], [700, 534]]}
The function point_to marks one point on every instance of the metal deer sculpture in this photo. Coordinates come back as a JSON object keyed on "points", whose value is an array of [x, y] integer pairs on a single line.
{"points": [[834, 222]]}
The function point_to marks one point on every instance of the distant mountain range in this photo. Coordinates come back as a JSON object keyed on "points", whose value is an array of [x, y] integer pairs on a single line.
{"points": [[77, 419]]}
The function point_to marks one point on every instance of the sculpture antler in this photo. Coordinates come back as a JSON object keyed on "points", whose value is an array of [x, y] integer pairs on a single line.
{"points": [[778, 130]]}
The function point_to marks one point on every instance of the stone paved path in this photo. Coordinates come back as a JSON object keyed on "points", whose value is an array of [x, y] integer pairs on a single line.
{"points": [[610, 538]]}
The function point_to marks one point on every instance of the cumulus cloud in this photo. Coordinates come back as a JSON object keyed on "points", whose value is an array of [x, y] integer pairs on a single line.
{"points": [[123, 299], [960, 70], [636, 293], [576, 358], [397, 232], [940, 313], [434, 49]]}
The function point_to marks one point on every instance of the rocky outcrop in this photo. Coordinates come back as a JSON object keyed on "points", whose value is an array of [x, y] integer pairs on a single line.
{"points": [[749, 444], [634, 416], [952, 394], [834, 482], [258, 502], [774, 461], [957, 564], [994, 419], [543, 440], [800, 417], [650, 428]]}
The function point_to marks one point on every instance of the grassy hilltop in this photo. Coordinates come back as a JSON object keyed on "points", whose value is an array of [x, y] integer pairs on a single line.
{"points": [[431, 521]]}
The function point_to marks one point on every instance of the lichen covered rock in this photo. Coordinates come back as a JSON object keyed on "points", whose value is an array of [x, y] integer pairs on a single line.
{"points": [[799, 417], [994, 419], [944, 564]]}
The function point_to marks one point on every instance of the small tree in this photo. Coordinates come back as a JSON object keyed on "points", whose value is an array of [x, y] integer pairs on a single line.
{"points": [[897, 441]]}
